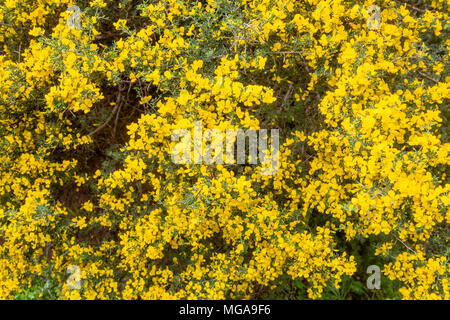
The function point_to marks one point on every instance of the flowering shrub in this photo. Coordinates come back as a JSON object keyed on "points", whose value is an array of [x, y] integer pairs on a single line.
{"points": [[87, 180]]}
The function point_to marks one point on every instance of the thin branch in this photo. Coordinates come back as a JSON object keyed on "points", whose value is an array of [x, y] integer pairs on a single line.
{"points": [[411, 6], [287, 95], [293, 52], [428, 77], [116, 121], [119, 97], [405, 245], [120, 108]]}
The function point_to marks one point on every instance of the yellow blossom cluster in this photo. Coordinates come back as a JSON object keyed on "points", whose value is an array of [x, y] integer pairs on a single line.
{"points": [[86, 174]]}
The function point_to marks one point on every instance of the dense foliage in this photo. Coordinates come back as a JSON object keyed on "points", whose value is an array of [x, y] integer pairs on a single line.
{"points": [[87, 179]]}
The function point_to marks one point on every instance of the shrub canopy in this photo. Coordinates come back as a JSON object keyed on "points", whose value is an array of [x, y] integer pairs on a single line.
{"points": [[86, 175]]}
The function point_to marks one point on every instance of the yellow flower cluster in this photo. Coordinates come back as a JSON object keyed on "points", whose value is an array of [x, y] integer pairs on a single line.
{"points": [[87, 179]]}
